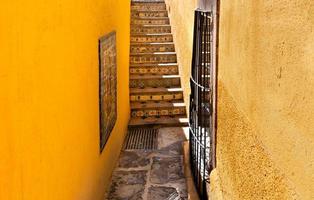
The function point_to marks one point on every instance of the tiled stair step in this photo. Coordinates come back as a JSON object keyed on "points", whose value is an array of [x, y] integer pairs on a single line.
{"points": [[155, 94], [169, 69], [158, 112], [148, 6], [157, 104], [157, 108], [152, 47], [143, 13], [161, 37], [179, 120], [150, 20], [138, 81], [150, 29], [163, 57]]}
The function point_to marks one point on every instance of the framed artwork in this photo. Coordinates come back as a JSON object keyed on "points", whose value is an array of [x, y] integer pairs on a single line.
{"points": [[107, 86]]}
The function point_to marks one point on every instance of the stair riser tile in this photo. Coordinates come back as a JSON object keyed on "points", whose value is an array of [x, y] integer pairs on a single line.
{"points": [[152, 38], [152, 48], [153, 59], [157, 97], [150, 30], [150, 21], [155, 83], [158, 112], [149, 14], [173, 70], [148, 7]]}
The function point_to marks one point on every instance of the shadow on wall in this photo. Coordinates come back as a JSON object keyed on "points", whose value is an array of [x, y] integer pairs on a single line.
{"points": [[182, 24]]}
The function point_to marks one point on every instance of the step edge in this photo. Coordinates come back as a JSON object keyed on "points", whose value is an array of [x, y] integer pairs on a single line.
{"points": [[184, 121], [161, 53], [152, 43], [157, 108], [149, 18], [144, 90], [136, 77], [153, 65], [151, 34], [152, 25]]}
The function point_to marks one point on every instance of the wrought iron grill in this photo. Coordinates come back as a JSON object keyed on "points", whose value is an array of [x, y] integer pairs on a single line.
{"points": [[201, 101]]}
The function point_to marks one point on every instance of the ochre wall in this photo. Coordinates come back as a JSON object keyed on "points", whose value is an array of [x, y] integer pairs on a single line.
{"points": [[265, 133], [49, 127], [182, 23]]}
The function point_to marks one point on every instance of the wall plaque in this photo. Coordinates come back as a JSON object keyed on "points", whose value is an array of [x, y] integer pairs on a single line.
{"points": [[107, 86]]}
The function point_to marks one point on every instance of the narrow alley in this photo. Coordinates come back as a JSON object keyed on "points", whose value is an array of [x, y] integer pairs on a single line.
{"points": [[152, 166], [157, 100]]}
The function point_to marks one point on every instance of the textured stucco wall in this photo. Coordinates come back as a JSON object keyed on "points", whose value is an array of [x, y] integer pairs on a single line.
{"points": [[245, 170], [49, 114], [265, 133], [182, 23]]}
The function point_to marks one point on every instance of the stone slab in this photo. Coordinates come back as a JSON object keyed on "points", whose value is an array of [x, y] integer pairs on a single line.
{"points": [[160, 193], [166, 170], [127, 185], [133, 159]]}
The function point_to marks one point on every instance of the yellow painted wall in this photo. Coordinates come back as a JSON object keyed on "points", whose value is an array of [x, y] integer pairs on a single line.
{"points": [[265, 133], [49, 146], [182, 22]]}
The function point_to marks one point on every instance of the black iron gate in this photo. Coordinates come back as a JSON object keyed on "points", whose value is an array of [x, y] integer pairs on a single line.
{"points": [[201, 102]]}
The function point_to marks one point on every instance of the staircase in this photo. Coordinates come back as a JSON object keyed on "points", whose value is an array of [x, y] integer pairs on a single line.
{"points": [[155, 89]]}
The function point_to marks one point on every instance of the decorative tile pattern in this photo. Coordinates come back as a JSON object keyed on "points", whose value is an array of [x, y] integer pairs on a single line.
{"points": [[141, 83], [149, 6], [158, 112], [154, 70], [150, 29], [149, 14], [150, 21], [151, 38], [153, 58], [152, 48], [108, 86], [157, 97]]}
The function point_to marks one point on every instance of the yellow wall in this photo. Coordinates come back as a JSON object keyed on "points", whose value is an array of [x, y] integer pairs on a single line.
{"points": [[265, 133], [182, 25], [49, 146]]}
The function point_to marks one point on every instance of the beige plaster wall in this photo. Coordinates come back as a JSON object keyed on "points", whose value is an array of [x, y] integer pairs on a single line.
{"points": [[265, 135], [245, 169], [181, 16]]}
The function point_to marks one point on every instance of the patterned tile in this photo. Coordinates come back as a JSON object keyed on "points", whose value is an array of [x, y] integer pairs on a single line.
{"points": [[148, 6], [150, 29], [158, 112], [154, 70], [151, 38]]}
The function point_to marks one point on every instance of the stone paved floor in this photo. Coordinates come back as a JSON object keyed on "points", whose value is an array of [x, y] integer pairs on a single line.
{"points": [[152, 175]]}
